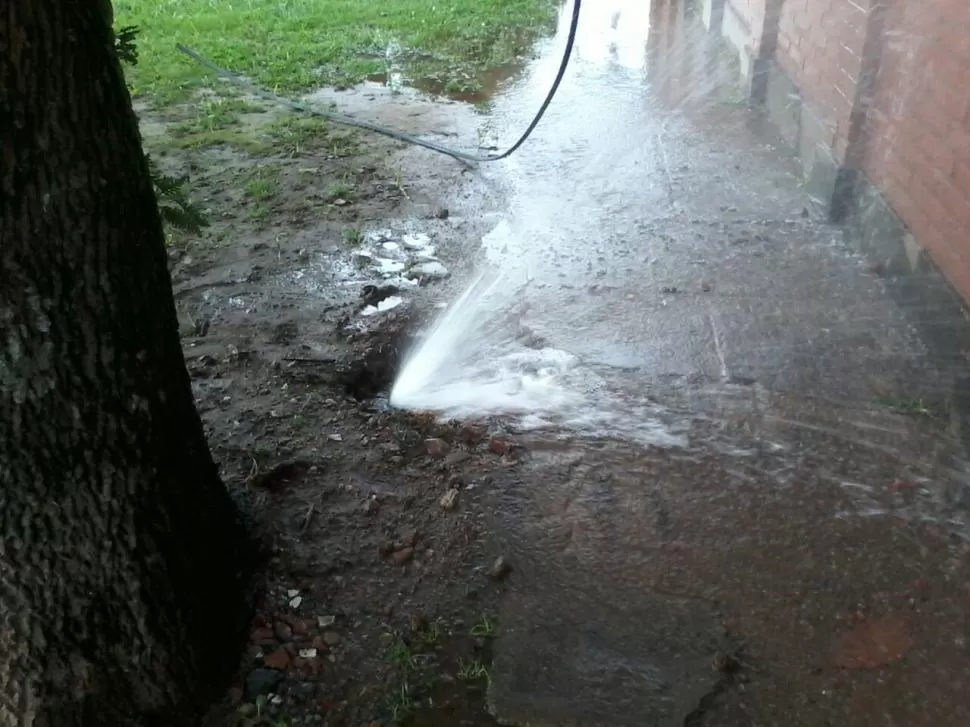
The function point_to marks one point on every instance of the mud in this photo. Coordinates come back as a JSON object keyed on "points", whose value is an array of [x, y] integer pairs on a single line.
{"points": [[377, 589], [774, 531]]}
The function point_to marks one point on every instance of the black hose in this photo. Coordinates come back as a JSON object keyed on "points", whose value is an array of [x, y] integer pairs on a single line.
{"points": [[400, 135]]}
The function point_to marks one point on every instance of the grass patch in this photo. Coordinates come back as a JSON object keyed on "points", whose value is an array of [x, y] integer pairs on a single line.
{"points": [[237, 138], [263, 183], [411, 662], [261, 188], [221, 122], [300, 44], [295, 135], [214, 114], [484, 628], [473, 671], [902, 405], [353, 236], [339, 190]]}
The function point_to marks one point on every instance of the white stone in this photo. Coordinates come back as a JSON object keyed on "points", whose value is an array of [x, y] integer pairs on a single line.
{"points": [[432, 269]]}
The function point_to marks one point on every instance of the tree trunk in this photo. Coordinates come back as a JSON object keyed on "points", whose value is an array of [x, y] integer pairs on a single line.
{"points": [[123, 561]]}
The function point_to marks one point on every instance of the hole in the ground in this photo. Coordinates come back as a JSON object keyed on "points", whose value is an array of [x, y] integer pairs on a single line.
{"points": [[369, 378]]}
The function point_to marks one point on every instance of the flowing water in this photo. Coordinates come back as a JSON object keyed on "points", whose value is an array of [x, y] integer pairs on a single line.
{"points": [[733, 424], [482, 356], [580, 271]]}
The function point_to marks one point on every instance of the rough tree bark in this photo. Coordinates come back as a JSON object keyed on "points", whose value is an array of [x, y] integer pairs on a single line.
{"points": [[122, 557]]}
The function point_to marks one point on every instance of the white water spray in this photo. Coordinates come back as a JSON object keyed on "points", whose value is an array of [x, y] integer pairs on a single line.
{"points": [[472, 363], [478, 359]]}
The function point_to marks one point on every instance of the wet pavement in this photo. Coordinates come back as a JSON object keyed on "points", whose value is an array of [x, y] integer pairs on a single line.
{"points": [[768, 522]]}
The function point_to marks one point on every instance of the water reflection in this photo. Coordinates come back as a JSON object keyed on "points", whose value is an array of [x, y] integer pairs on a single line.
{"points": [[612, 34]]}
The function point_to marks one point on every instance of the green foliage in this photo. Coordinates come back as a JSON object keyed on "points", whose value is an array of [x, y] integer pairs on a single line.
{"points": [[125, 45], [174, 203]]}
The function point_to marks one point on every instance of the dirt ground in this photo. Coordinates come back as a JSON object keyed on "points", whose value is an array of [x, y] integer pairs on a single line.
{"points": [[381, 593]]}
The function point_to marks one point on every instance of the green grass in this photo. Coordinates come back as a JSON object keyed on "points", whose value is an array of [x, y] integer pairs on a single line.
{"points": [[484, 628], [339, 190], [473, 670], [901, 405], [214, 114], [219, 122], [353, 236], [262, 184], [294, 45], [408, 664]]}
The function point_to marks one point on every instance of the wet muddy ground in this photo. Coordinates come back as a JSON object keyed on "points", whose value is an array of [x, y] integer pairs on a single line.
{"points": [[323, 252], [792, 551]]}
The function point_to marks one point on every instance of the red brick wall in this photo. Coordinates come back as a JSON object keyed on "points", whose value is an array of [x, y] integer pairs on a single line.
{"points": [[918, 129], [820, 46], [901, 70]]}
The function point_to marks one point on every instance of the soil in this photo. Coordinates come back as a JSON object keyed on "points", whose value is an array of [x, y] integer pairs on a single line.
{"points": [[381, 591]]}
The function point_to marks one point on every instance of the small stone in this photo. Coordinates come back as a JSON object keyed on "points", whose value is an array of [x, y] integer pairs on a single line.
{"points": [[471, 434], [416, 240], [437, 448], [310, 653], [335, 437], [456, 457], [262, 635], [295, 602], [283, 631], [402, 556], [449, 500], [500, 569], [441, 213], [431, 270], [500, 445], [260, 682], [331, 638], [292, 593], [418, 623], [326, 621], [279, 659]]}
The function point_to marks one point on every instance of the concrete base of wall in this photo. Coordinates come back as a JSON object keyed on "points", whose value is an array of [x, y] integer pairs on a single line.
{"points": [[847, 196], [827, 182], [721, 17], [913, 277], [712, 14], [936, 309]]}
